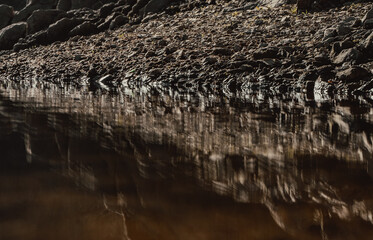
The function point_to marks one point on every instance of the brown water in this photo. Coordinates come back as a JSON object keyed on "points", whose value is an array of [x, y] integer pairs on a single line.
{"points": [[147, 164]]}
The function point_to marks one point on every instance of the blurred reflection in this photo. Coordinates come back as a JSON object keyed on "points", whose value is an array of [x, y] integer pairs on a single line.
{"points": [[152, 163]]}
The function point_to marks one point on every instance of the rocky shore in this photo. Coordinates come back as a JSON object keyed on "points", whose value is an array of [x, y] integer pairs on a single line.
{"points": [[193, 46]]}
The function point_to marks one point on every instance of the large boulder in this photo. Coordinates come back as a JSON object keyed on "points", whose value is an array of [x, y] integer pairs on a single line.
{"points": [[60, 29], [367, 46], [94, 4], [367, 16], [84, 29], [11, 34], [6, 15], [64, 5], [16, 4], [155, 6], [31, 6], [41, 19]]}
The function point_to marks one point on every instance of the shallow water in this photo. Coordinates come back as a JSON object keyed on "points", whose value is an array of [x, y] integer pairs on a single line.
{"points": [[161, 164]]}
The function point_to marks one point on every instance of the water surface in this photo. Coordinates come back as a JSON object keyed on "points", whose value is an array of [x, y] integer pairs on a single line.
{"points": [[156, 163]]}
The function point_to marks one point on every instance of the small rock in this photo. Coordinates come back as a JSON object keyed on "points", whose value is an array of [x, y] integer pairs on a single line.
{"points": [[155, 72], [330, 32], [20, 46], [222, 51], [270, 52], [210, 60], [353, 74], [343, 30]]}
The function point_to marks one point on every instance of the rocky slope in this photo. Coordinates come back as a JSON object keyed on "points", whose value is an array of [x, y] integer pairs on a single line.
{"points": [[195, 46]]}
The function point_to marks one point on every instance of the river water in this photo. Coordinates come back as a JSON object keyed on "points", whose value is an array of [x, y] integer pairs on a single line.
{"points": [[152, 163]]}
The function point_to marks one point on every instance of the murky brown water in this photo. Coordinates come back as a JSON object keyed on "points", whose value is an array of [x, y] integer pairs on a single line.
{"points": [[148, 164]]}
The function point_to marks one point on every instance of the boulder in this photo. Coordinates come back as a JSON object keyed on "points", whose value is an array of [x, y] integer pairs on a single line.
{"points": [[106, 10], [60, 29], [353, 74], [367, 46], [94, 4], [84, 29], [155, 6], [64, 5], [6, 15], [118, 21], [31, 7], [11, 34], [368, 24], [16, 4], [106, 24], [368, 15], [347, 55], [41, 19]]}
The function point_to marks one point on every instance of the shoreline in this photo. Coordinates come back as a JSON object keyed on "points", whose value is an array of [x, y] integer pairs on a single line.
{"points": [[215, 46]]}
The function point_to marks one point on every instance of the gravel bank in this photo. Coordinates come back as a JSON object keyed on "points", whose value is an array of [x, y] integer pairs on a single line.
{"points": [[226, 45]]}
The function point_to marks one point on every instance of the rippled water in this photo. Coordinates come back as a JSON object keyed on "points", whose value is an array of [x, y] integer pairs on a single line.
{"points": [[162, 164]]}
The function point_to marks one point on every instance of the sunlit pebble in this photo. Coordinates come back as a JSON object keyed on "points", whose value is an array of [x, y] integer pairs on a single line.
{"points": [[216, 157]]}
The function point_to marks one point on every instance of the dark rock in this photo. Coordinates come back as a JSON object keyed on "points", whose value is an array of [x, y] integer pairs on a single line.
{"points": [[246, 68], [336, 49], [222, 51], [118, 21], [20, 46], [343, 30], [356, 23], [106, 10], [367, 16], [326, 73], [367, 46], [347, 43], [39, 38], [6, 15], [16, 4], [368, 86], [93, 4], [347, 55], [321, 60], [308, 76], [106, 24], [41, 19], [353, 74], [84, 29], [31, 7], [310, 86], [155, 72], [330, 32], [270, 52], [64, 5], [60, 29], [210, 60], [368, 24], [10, 35], [155, 6]]}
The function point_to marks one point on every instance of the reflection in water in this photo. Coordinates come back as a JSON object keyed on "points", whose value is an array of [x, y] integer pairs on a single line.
{"points": [[158, 164]]}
